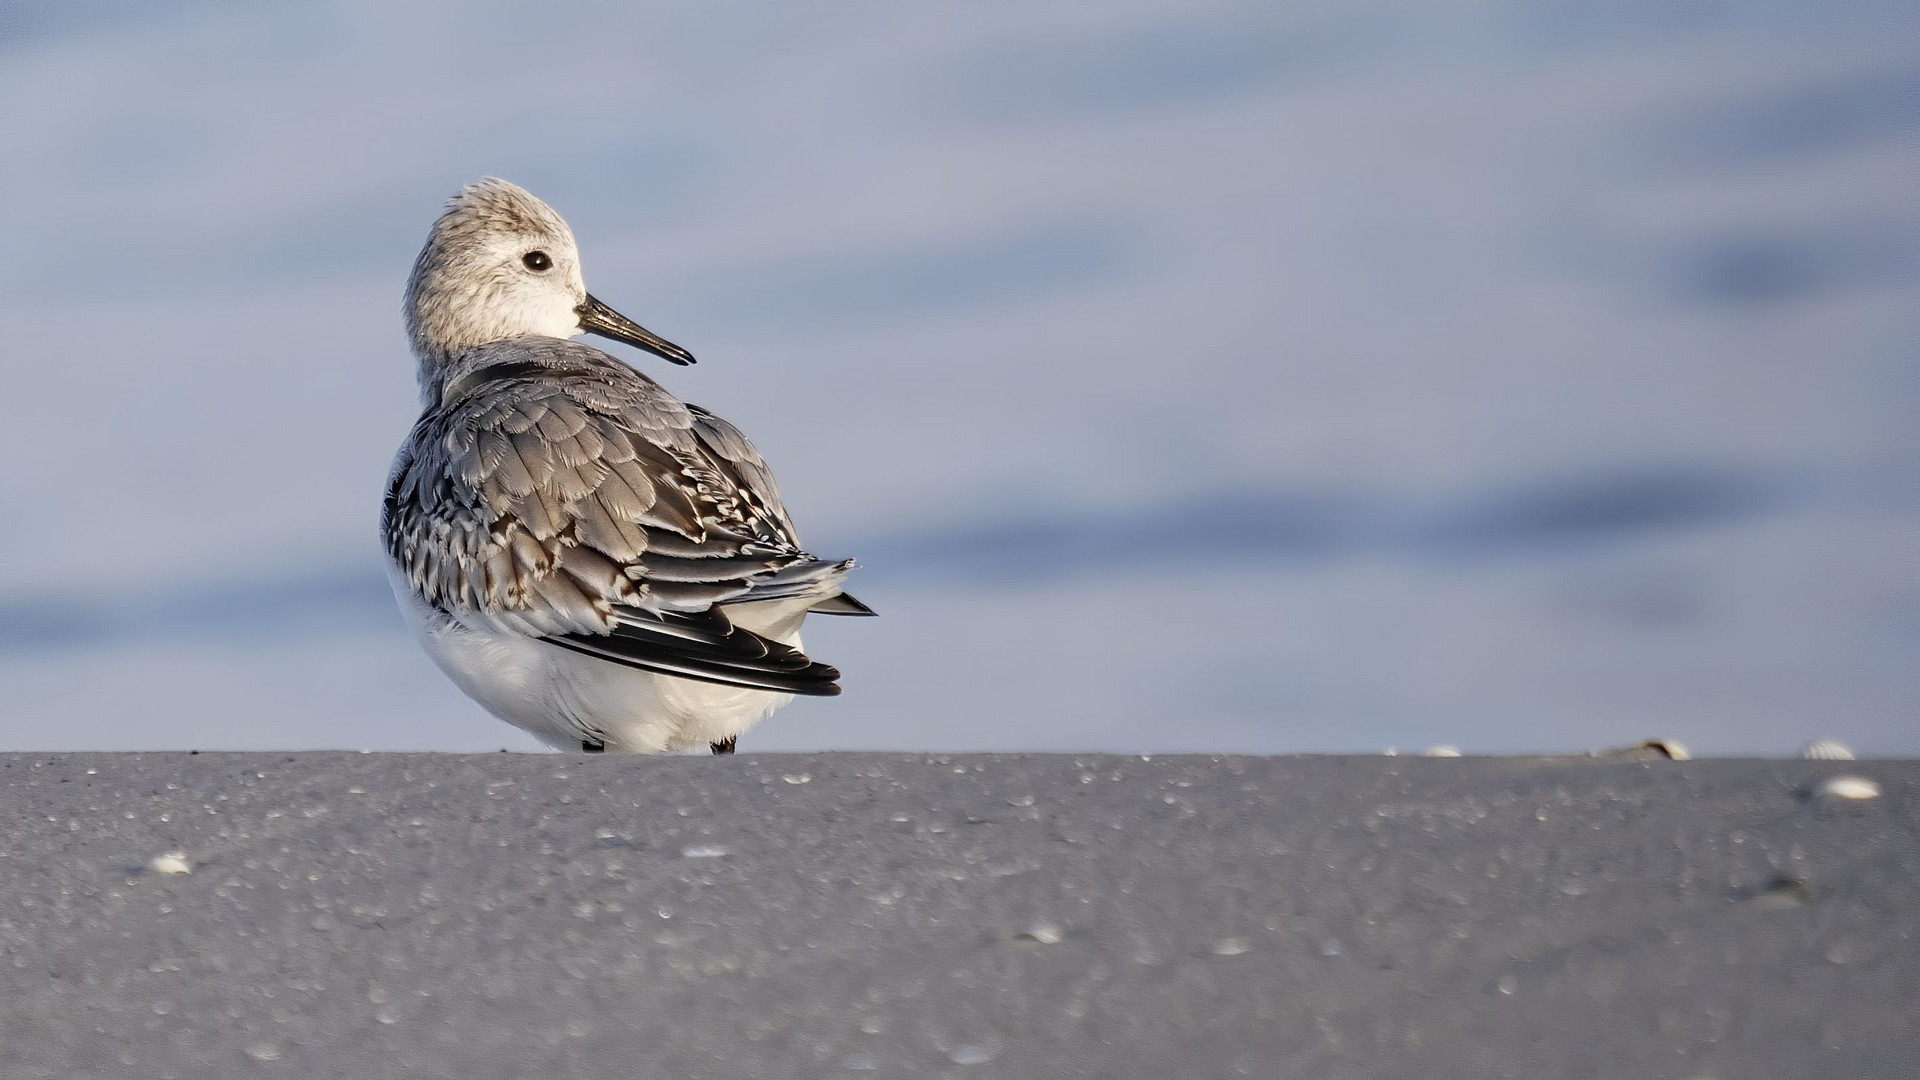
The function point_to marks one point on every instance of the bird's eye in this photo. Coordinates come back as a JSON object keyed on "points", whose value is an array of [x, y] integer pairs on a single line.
{"points": [[536, 260]]}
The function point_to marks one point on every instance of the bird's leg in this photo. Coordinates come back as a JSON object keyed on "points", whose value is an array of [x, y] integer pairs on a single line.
{"points": [[593, 747], [725, 747]]}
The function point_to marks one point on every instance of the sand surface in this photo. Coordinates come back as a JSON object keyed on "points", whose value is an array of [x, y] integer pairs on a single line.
{"points": [[509, 915]]}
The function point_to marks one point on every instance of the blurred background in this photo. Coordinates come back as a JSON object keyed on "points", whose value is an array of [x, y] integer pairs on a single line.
{"points": [[1260, 378]]}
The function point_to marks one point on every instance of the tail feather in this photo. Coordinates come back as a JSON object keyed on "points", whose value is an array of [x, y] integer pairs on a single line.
{"points": [[841, 604]]}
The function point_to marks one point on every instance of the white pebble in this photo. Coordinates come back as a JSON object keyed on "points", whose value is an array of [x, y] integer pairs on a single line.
{"points": [[1044, 933], [1847, 787], [173, 862], [797, 777], [1442, 750], [702, 851], [1827, 750], [1231, 946]]}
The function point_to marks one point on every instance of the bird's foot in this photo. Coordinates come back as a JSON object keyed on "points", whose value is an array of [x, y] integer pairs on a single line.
{"points": [[725, 747], [591, 747]]}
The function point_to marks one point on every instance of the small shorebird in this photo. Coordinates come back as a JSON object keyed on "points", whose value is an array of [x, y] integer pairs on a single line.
{"points": [[587, 557]]}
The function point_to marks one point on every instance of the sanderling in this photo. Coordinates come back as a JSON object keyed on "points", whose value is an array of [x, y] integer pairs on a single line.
{"points": [[587, 557]]}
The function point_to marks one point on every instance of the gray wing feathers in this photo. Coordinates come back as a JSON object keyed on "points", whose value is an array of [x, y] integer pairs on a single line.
{"points": [[562, 493], [745, 469]]}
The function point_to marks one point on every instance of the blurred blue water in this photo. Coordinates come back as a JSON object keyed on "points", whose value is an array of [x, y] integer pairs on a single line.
{"points": [[1257, 532], [1183, 378]]}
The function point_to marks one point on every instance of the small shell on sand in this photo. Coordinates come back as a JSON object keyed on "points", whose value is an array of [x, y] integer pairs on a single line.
{"points": [[1827, 750], [1847, 787], [173, 862], [1042, 933], [1671, 749]]}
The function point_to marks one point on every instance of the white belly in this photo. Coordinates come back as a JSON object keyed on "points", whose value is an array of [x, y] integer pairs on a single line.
{"points": [[563, 698]]}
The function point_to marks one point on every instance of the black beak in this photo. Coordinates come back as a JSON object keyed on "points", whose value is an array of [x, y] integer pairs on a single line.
{"points": [[598, 318]]}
